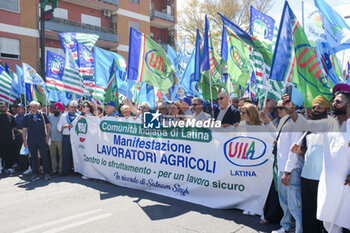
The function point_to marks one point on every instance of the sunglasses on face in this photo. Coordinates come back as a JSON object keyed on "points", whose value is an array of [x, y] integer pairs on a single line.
{"points": [[280, 108], [220, 98], [195, 104], [337, 101]]}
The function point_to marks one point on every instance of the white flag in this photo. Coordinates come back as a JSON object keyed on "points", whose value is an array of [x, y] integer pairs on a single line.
{"points": [[31, 76]]}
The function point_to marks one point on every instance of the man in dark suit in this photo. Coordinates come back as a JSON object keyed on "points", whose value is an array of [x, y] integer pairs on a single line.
{"points": [[226, 113]]}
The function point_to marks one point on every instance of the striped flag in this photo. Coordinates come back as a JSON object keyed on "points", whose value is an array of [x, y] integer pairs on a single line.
{"points": [[69, 41], [5, 87], [273, 89], [72, 81]]}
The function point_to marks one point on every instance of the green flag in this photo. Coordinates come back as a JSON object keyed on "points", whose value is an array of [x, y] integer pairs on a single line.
{"points": [[148, 62], [111, 92], [309, 79], [237, 59], [38, 94]]}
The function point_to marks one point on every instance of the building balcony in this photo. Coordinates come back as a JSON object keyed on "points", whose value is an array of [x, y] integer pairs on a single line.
{"points": [[162, 15], [97, 4], [64, 25]]}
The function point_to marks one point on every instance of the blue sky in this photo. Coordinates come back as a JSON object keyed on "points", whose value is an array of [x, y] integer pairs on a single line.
{"points": [[341, 6]]}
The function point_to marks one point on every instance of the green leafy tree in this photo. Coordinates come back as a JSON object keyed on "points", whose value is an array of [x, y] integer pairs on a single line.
{"points": [[192, 15]]}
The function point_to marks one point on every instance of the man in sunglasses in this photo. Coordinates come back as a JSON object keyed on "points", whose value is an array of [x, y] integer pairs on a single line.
{"points": [[37, 125], [197, 107], [65, 126], [312, 151], [226, 113]]}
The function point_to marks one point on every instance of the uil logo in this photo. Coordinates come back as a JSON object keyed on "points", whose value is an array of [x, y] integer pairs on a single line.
{"points": [[238, 59], [55, 66], [155, 64], [81, 129], [308, 61], [245, 151]]}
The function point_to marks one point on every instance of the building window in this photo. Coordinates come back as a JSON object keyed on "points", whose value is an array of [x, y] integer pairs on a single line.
{"points": [[10, 48], [135, 1], [60, 13], [134, 25], [88, 19], [10, 5]]}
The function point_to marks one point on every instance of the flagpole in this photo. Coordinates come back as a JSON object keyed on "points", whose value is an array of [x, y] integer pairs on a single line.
{"points": [[211, 94], [95, 98], [194, 89], [25, 99], [302, 11]]}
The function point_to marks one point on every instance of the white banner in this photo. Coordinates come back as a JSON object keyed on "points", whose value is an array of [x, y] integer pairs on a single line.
{"points": [[214, 169]]}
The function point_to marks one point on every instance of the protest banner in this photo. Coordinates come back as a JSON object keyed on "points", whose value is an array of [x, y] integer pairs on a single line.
{"points": [[214, 169]]}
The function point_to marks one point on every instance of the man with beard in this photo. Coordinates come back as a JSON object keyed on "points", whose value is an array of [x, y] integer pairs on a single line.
{"points": [[332, 203], [56, 139], [311, 172], [340, 102]]}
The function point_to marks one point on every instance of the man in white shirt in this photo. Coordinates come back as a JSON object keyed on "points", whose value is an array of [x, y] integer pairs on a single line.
{"points": [[197, 107], [65, 126], [289, 170]]}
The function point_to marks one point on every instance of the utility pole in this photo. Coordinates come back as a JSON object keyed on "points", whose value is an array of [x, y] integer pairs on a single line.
{"points": [[42, 40]]}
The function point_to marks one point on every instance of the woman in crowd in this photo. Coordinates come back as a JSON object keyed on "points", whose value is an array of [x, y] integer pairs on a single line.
{"points": [[88, 108], [176, 112]]}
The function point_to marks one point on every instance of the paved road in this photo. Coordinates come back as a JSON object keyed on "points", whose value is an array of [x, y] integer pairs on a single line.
{"points": [[71, 204]]}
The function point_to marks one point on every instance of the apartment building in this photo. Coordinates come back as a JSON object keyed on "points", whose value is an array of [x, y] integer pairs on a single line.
{"points": [[111, 19]]}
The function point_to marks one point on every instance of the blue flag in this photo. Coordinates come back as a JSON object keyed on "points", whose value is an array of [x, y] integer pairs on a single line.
{"points": [[197, 58], [261, 25], [224, 46], [336, 29], [323, 56], [57, 96], [282, 57], [175, 60], [103, 61], [20, 79], [146, 94], [54, 71], [205, 55], [7, 68]]}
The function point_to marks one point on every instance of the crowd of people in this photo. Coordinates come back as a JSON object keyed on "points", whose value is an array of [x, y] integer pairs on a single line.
{"points": [[35, 140]]}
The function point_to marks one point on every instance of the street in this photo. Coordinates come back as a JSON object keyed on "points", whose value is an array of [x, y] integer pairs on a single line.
{"points": [[71, 204]]}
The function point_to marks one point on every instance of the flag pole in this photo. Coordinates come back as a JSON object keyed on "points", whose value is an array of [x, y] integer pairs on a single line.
{"points": [[302, 11], [211, 94], [194, 89]]}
